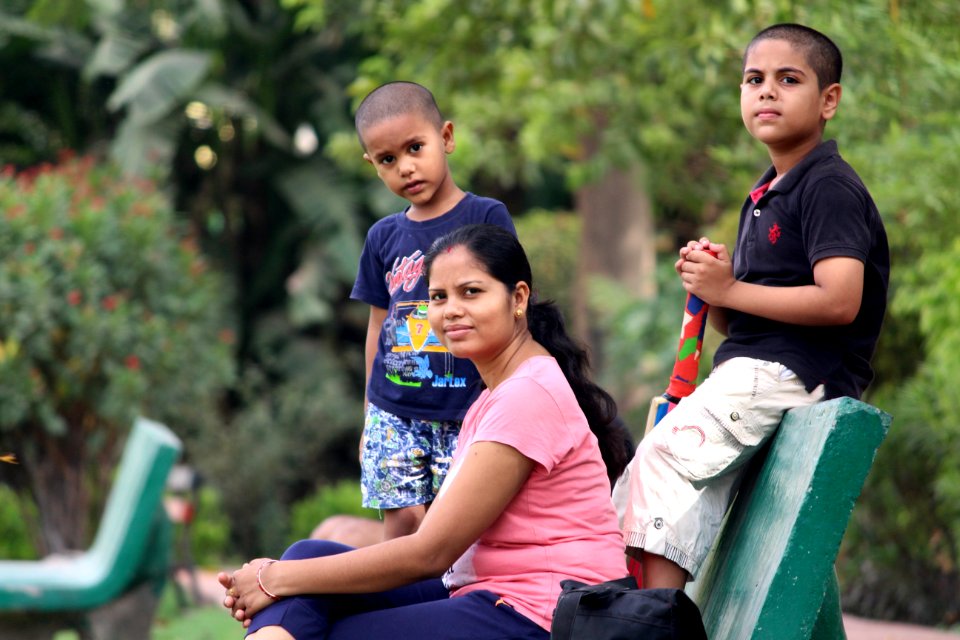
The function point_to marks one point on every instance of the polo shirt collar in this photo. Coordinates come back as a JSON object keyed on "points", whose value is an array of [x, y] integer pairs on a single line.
{"points": [[822, 151]]}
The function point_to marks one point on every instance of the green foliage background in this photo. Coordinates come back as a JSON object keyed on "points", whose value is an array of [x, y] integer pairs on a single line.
{"points": [[340, 498], [547, 95]]}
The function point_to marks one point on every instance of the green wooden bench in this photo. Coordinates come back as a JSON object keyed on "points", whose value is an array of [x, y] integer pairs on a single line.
{"points": [[129, 555], [771, 572]]}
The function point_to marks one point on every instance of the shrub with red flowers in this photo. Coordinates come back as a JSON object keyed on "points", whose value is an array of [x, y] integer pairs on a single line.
{"points": [[107, 310]]}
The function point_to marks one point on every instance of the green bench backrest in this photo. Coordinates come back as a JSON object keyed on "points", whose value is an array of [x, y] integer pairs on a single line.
{"points": [[772, 565], [121, 552]]}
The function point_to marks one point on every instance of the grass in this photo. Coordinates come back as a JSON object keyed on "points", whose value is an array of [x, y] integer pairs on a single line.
{"points": [[207, 622], [198, 623], [173, 622]]}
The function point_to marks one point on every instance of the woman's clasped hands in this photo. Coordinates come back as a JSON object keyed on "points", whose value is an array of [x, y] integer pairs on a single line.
{"points": [[244, 595]]}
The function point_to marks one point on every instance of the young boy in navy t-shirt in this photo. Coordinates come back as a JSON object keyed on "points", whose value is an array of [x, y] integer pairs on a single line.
{"points": [[417, 392], [801, 303]]}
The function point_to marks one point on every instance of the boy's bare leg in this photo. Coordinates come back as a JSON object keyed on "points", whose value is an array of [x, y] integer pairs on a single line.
{"points": [[403, 521], [356, 531], [658, 572]]}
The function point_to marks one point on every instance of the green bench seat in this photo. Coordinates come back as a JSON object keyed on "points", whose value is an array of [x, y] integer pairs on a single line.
{"points": [[131, 545], [771, 572]]}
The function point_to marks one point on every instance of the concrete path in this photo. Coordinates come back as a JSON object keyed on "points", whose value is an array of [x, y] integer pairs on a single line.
{"points": [[863, 629]]}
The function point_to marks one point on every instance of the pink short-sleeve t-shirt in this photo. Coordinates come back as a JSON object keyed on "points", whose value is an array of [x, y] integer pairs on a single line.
{"points": [[562, 524]]}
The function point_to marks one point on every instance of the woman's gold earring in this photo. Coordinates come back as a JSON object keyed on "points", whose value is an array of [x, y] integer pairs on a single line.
{"points": [[519, 313]]}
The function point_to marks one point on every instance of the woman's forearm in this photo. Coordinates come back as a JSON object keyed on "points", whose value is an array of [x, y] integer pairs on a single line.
{"points": [[387, 565]]}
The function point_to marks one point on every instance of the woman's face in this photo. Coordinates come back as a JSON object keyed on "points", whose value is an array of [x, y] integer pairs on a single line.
{"points": [[472, 313]]}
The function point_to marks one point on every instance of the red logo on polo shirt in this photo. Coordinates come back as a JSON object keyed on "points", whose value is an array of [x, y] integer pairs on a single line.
{"points": [[774, 233]]}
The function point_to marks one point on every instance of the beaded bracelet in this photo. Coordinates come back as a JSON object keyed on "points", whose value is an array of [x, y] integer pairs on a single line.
{"points": [[260, 569]]}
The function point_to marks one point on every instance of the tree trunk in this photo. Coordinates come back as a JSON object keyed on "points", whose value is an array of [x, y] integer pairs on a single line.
{"points": [[617, 242], [129, 617], [56, 468], [68, 478]]}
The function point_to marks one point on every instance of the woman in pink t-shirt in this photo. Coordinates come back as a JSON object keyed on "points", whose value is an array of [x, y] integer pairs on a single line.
{"points": [[526, 503]]}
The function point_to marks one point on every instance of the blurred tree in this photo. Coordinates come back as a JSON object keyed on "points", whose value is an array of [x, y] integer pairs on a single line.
{"points": [[107, 310], [550, 240], [224, 102], [38, 119]]}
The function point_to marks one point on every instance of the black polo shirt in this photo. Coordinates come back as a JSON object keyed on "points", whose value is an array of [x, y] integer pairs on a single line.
{"points": [[819, 209]]}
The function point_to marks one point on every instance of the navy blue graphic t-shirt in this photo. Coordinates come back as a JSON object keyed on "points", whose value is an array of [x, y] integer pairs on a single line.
{"points": [[413, 375]]}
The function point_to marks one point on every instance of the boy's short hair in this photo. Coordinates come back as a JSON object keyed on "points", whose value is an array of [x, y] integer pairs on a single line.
{"points": [[819, 50], [394, 99]]}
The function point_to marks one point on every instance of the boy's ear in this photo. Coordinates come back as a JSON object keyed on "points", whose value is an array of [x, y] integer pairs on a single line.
{"points": [[366, 156], [446, 132], [830, 100]]}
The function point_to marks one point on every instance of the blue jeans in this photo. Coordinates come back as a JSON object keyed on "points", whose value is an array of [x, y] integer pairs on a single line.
{"points": [[420, 610]]}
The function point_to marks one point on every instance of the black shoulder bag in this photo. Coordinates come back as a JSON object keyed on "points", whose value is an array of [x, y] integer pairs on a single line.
{"points": [[618, 610]]}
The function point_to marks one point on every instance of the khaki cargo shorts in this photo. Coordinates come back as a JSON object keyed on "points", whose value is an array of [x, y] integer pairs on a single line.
{"points": [[674, 493]]}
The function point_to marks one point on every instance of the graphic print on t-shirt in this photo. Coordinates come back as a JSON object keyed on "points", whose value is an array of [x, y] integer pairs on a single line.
{"points": [[407, 334], [414, 333], [411, 330], [410, 341], [406, 272]]}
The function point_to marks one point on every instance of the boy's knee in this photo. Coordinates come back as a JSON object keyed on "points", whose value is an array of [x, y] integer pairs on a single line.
{"points": [[355, 531]]}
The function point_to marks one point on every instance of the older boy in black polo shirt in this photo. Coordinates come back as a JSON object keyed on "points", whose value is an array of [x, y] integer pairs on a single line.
{"points": [[801, 303]]}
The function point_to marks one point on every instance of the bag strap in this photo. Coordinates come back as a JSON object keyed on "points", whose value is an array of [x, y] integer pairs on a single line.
{"points": [[562, 626]]}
